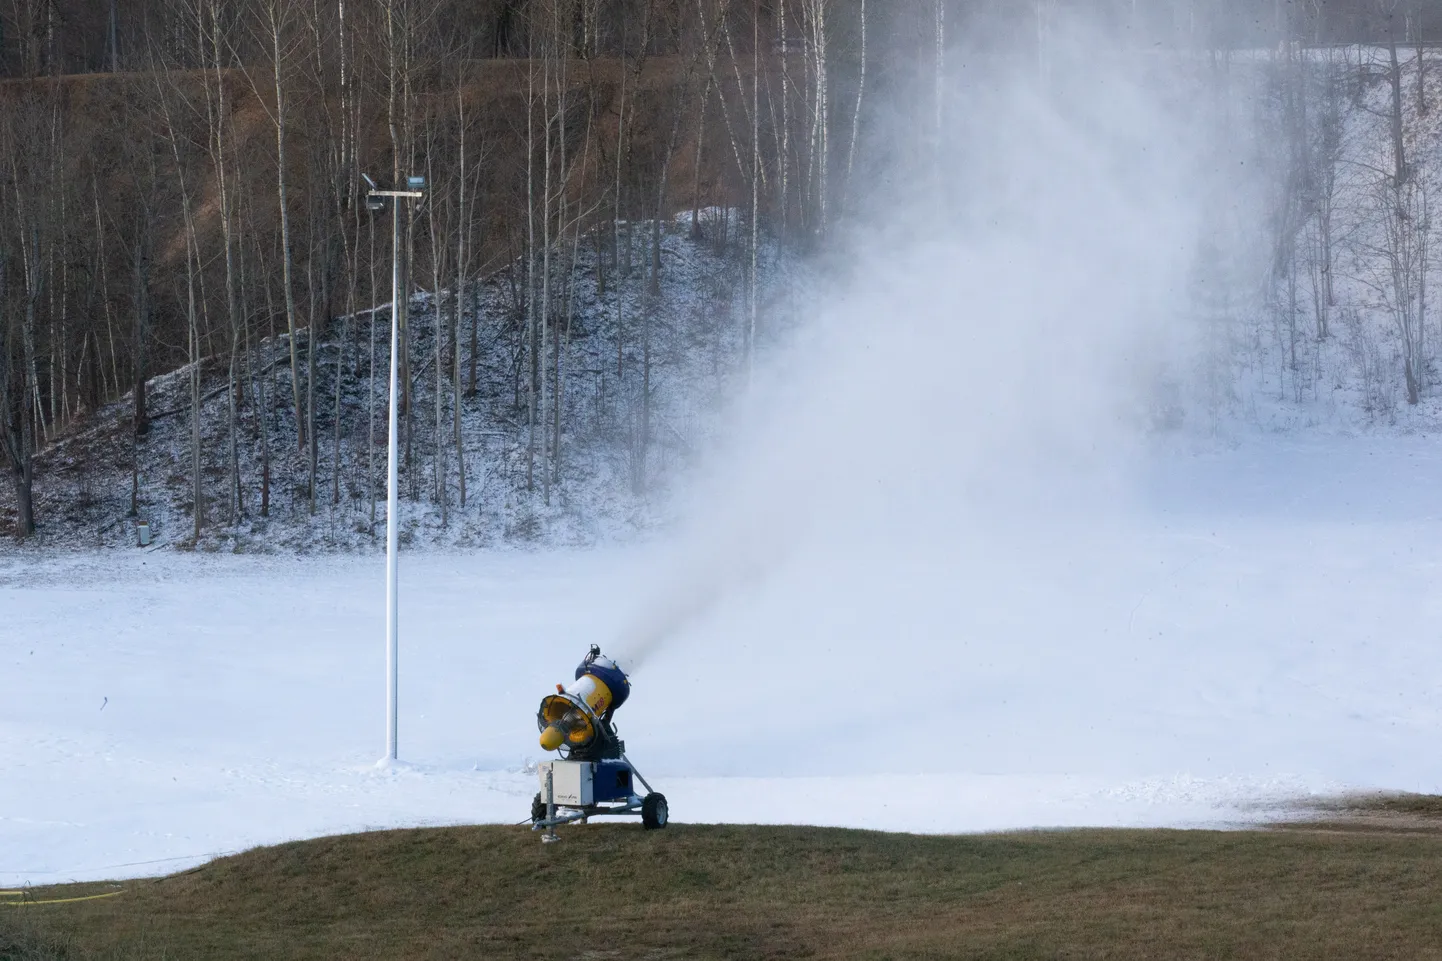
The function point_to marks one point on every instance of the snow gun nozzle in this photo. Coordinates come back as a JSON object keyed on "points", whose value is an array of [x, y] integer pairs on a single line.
{"points": [[552, 738], [574, 715]]}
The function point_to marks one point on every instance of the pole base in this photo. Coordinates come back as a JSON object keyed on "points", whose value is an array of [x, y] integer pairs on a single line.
{"points": [[393, 764]]}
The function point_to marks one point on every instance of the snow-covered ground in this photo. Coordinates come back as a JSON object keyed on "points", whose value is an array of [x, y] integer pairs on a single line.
{"points": [[1260, 625]]}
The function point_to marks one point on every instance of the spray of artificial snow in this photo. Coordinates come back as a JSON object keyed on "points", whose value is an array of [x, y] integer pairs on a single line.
{"points": [[975, 389]]}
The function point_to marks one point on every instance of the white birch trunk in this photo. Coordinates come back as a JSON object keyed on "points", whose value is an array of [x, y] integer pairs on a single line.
{"points": [[462, 266], [276, 24], [856, 114]]}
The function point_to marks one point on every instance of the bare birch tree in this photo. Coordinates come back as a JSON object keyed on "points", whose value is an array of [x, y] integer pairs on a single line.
{"points": [[274, 31]]}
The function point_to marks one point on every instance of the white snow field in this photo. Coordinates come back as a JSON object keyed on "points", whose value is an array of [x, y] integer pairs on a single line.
{"points": [[1262, 625]]}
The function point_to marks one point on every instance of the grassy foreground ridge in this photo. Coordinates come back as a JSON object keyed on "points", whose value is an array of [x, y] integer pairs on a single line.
{"points": [[703, 892]]}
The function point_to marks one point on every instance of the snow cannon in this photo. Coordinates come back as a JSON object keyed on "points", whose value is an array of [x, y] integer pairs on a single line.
{"points": [[593, 776]]}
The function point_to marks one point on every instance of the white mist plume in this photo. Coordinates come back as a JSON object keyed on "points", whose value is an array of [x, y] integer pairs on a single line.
{"points": [[971, 396]]}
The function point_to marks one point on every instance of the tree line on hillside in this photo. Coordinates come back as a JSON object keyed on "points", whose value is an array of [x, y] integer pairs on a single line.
{"points": [[182, 179], [55, 37], [1352, 225], [203, 190]]}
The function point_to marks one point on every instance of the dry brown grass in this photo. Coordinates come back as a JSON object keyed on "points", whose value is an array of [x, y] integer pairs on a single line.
{"points": [[773, 892], [1374, 813], [1427, 807]]}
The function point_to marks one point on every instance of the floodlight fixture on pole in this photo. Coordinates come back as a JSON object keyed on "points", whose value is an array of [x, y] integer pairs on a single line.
{"points": [[375, 200]]}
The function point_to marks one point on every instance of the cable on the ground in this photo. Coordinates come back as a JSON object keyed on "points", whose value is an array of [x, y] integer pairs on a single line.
{"points": [[88, 897]]}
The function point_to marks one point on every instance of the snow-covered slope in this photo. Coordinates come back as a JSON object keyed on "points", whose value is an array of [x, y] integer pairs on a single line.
{"points": [[605, 487], [1258, 349], [1346, 369], [1263, 629]]}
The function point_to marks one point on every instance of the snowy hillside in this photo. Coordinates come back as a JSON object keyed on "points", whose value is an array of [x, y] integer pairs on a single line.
{"points": [[1327, 297], [1356, 282], [607, 485]]}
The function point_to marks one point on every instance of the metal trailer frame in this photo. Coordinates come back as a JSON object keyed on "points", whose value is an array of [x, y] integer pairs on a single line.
{"points": [[631, 805]]}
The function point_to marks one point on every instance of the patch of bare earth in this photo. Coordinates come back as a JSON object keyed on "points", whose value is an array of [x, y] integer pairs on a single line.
{"points": [[1369, 813]]}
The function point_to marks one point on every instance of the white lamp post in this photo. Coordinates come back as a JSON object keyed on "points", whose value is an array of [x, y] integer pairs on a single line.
{"points": [[376, 200]]}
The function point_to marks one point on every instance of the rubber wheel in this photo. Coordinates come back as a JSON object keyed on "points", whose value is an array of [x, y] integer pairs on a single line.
{"points": [[654, 814], [538, 808]]}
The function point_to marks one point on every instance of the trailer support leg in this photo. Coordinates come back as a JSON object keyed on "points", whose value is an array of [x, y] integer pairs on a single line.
{"points": [[550, 836]]}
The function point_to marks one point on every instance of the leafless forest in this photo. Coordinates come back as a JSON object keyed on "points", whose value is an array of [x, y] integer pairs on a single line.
{"points": [[183, 215]]}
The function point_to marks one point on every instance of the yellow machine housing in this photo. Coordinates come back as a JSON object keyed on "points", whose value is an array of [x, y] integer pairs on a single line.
{"points": [[571, 715]]}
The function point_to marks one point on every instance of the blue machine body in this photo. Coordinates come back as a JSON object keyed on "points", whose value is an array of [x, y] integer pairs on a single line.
{"points": [[605, 669], [612, 781]]}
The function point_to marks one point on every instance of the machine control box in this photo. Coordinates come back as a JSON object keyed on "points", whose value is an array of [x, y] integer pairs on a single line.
{"points": [[573, 782], [583, 783]]}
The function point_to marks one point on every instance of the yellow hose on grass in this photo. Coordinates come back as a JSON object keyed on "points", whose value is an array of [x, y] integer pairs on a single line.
{"points": [[23, 903]]}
